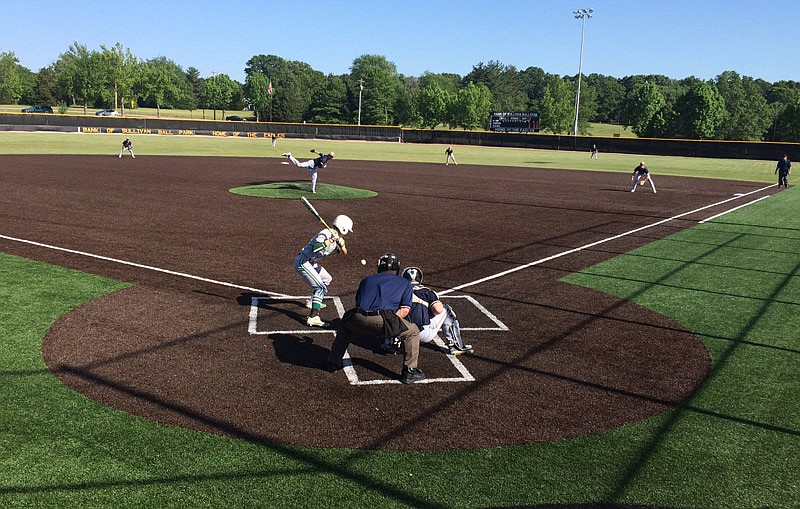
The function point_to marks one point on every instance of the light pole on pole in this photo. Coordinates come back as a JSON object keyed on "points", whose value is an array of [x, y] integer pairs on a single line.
{"points": [[360, 89], [581, 14]]}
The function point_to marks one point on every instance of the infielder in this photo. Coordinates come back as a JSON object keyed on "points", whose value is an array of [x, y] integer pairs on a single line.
{"points": [[306, 263], [430, 316], [127, 145], [312, 165], [641, 175], [450, 157]]}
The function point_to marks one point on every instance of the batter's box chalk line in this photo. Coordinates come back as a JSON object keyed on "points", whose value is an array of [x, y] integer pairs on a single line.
{"points": [[347, 363]]}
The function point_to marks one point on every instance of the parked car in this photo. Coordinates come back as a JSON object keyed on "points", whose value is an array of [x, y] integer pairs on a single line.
{"points": [[235, 117], [38, 108], [107, 113]]}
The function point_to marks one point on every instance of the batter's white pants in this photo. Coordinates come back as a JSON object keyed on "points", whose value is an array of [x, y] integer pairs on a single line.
{"points": [[314, 275]]}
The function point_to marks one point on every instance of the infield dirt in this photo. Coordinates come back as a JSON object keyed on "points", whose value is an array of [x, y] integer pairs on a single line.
{"points": [[552, 360]]}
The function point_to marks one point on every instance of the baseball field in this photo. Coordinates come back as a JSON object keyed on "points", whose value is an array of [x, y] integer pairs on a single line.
{"points": [[632, 350]]}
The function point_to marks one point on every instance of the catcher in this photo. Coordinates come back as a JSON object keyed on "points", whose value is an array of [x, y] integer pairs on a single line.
{"points": [[312, 164], [641, 175], [430, 316], [306, 263]]}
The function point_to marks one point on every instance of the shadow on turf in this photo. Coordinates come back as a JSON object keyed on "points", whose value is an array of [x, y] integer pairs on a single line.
{"points": [[302, 351]]}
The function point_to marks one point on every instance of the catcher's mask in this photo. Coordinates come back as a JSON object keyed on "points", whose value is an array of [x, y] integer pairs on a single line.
{"points": [[388, 262], [413, 274]]}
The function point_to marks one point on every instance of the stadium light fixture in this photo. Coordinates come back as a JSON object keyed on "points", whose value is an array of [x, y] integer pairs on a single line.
{"points": [[580, 14]]}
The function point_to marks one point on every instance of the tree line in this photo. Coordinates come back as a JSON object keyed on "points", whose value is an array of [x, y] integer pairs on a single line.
{"points": [[729, 107]]}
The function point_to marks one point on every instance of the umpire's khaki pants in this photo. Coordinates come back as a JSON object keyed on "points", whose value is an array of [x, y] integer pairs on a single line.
{"points": [[361, 325]]}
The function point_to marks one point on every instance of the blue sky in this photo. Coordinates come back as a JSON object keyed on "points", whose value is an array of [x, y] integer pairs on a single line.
{"points": [[676, 38]]}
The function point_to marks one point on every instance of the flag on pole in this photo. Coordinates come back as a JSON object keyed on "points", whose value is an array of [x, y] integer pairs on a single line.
{"points": [[269, 88]]}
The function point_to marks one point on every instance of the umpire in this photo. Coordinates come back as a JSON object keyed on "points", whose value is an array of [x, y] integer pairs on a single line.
{"points": [[383, 301]]}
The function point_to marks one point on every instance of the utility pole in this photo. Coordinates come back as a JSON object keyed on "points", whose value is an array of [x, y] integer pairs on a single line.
{"points": [[360, 89], [581, 14]]}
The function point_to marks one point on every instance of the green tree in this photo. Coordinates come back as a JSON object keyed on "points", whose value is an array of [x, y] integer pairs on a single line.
{"points": [[534, 80], [448, 82], [645, 105], [470, 107], [119, 71], [81, 73], [256, 87], [557, 107], [699, 113], [787, 121], [11, 84], [196, 89], [504, 82], [163, 83], [432, 105], [220, 90], [610, 98], [329, 104], [379, 95], [42, 87], [406, 108], [293, 84], [747, 111]]}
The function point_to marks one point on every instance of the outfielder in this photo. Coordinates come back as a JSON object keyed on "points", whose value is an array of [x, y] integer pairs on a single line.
{"points": [[306, 263], [430, 316], [641, 175], [312, 165]]}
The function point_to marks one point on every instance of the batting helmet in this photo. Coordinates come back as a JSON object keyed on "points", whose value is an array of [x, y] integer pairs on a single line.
{"points": [[388, 262], [343, 223], [331, 154], [413, 274]]}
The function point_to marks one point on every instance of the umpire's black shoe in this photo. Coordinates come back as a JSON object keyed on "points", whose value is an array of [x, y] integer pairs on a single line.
{"points": [[332, 367], [411, 375]]}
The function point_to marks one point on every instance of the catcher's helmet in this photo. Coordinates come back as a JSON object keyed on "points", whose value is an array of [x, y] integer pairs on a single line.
{"points": [[343, 223], [413, 274], [388, 262]]}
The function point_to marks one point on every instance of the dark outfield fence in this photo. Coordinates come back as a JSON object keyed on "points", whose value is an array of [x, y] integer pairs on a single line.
{"points": [[649, 146]]}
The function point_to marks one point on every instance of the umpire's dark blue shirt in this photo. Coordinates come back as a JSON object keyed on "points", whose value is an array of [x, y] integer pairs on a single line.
{"points": [[384, 290]]}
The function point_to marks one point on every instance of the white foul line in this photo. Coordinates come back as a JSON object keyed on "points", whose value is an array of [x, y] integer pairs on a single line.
{"points": [[597, 243], [141, 266], [731, 210]]}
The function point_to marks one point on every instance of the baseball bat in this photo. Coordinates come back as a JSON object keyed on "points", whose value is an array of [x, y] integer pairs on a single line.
{"points": [[335, 233], [314, 211]]}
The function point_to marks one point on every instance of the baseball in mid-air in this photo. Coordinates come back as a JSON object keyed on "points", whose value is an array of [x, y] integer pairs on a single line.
{"points": [[363, 261]]}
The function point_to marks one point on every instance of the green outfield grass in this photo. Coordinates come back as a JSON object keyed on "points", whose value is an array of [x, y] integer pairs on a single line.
{"points": [[732, 281], [144, 145]]}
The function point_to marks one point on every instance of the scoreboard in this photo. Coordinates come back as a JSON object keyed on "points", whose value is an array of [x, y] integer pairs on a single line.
{"points": [[514, 122]]}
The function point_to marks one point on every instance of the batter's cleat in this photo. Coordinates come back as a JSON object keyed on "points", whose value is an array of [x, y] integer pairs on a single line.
{"points": [[411, 375], [315, 321], [321, 305], [287, 154], [456, 350]]}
